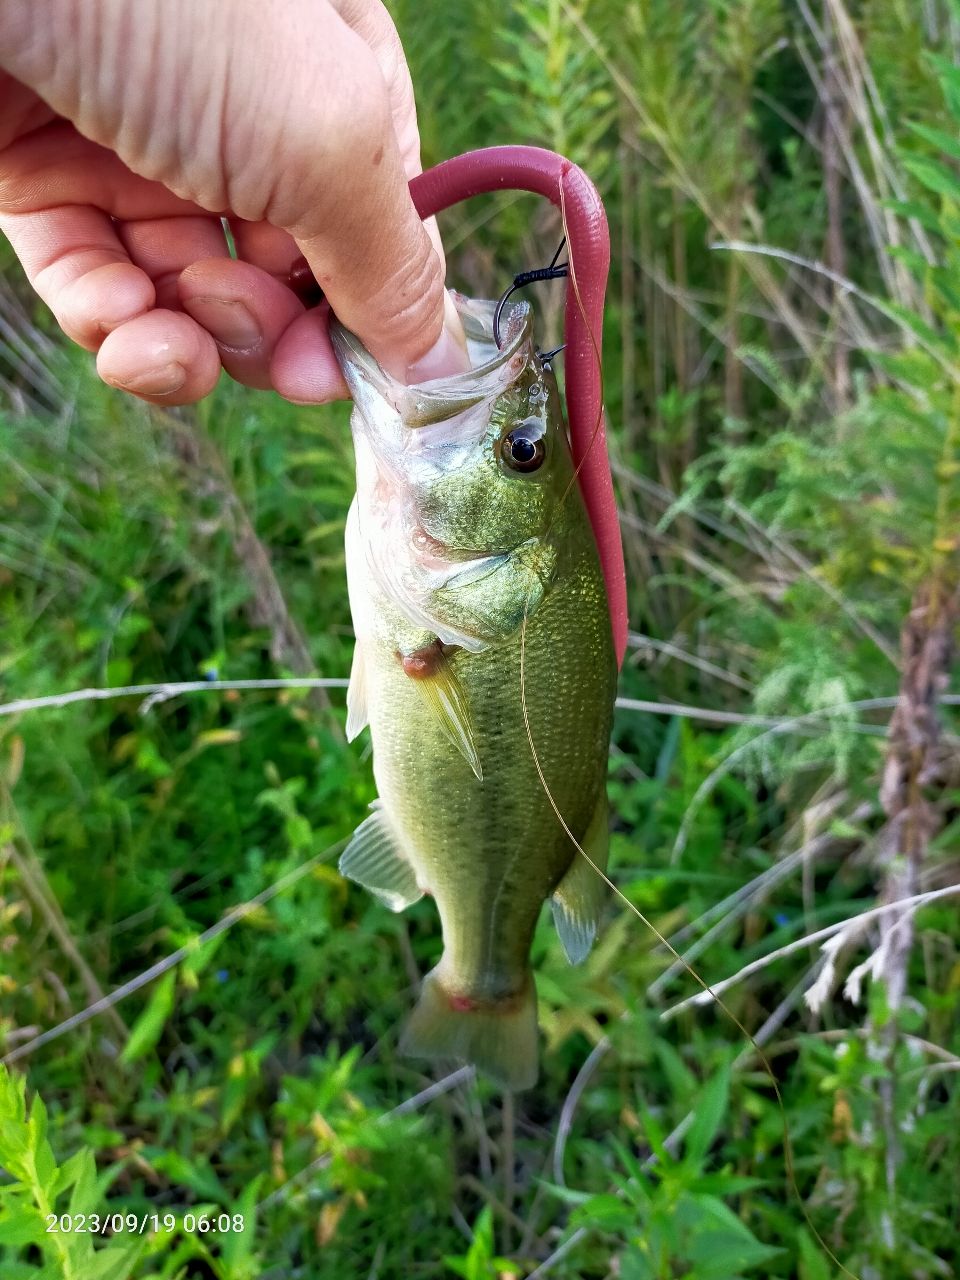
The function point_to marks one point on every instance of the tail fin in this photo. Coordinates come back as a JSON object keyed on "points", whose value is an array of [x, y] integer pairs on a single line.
{"points": [[498, 1037]]}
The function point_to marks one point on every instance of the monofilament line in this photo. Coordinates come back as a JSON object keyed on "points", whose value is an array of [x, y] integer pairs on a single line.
{"points": [[764, 1061], [705, 986]]}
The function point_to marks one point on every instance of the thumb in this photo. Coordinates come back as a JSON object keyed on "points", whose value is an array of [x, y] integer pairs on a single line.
{"points": [[409, 289], [378, 267]]}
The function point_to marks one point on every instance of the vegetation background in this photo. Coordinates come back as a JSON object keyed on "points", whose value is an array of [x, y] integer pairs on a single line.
{"points": [[783, 385]]}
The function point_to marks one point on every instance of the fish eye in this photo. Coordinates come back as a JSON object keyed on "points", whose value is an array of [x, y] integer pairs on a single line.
{"points": [[523, 448]]}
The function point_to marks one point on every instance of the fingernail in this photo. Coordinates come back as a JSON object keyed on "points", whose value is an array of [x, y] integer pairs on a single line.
{"points": [[448, 354], [164, 380], [229, 323]]}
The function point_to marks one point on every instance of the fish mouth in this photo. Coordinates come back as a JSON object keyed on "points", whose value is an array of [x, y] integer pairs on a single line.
{"points": [[476, 569], [431, 550], [492, 369]]}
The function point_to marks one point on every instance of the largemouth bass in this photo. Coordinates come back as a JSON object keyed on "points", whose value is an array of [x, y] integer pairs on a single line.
{"points": [[467, 528]]}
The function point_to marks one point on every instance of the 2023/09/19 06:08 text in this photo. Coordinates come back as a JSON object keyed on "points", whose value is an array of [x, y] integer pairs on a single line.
{"points": [[140, 1223]]}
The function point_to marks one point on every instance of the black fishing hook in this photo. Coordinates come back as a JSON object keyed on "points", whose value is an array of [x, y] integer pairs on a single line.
{"points": [[555, 271]]}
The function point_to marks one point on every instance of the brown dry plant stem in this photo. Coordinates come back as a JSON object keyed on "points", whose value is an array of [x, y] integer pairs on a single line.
{"points": [[23, 857], [836, 143], [919, 766], [267, 607]]}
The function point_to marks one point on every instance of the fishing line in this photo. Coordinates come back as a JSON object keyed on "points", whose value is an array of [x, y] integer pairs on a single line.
{"points": [[705, 986], [789, 1162]]}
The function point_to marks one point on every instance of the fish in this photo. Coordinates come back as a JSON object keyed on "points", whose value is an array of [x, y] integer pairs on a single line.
{"points": [[472, 566]]}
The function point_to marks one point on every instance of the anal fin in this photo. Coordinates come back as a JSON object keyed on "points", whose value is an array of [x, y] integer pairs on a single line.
{"points": [[374, 859], [578, 899]]}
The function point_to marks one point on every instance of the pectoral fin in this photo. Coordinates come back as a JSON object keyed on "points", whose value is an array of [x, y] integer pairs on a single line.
{"points": [[374, 859], [578, 899], [357, 715], [445, 696]]}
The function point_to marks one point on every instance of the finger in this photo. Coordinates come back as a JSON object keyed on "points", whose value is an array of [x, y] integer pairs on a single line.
{"points": [[375, 263], [164, 358], [56, 192], [265, 246], [304, 368], [163, 247], [56, 166], [373, 23], [246, 312], [77, 264], [359, 230], [23, 111]]}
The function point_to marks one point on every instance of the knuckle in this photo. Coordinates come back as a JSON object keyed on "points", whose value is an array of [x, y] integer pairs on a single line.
{"points": [[412, 300]]}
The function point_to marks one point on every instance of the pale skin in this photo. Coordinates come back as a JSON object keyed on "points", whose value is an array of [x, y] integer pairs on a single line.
{"points": [[128, 128]]}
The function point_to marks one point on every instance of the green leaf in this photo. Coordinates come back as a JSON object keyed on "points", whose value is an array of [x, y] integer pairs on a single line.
{"points": [[21, 1224], [113, 1263], [14, 1148], [683, 1082], [813, 1262], [938, 138], [70, 1172], [45, 1166], [85, 1196], [201, 954], [911, 259], [606, 1212], [195, 1174], [934, 176], [725, 1184], [921, 213], [148, 1028], [709, 1111], [12, 1097], [236, 1247], [719, 1255]]}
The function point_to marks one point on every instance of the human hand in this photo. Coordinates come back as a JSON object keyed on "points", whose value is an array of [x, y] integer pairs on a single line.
{"points": [[126, 124]]}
